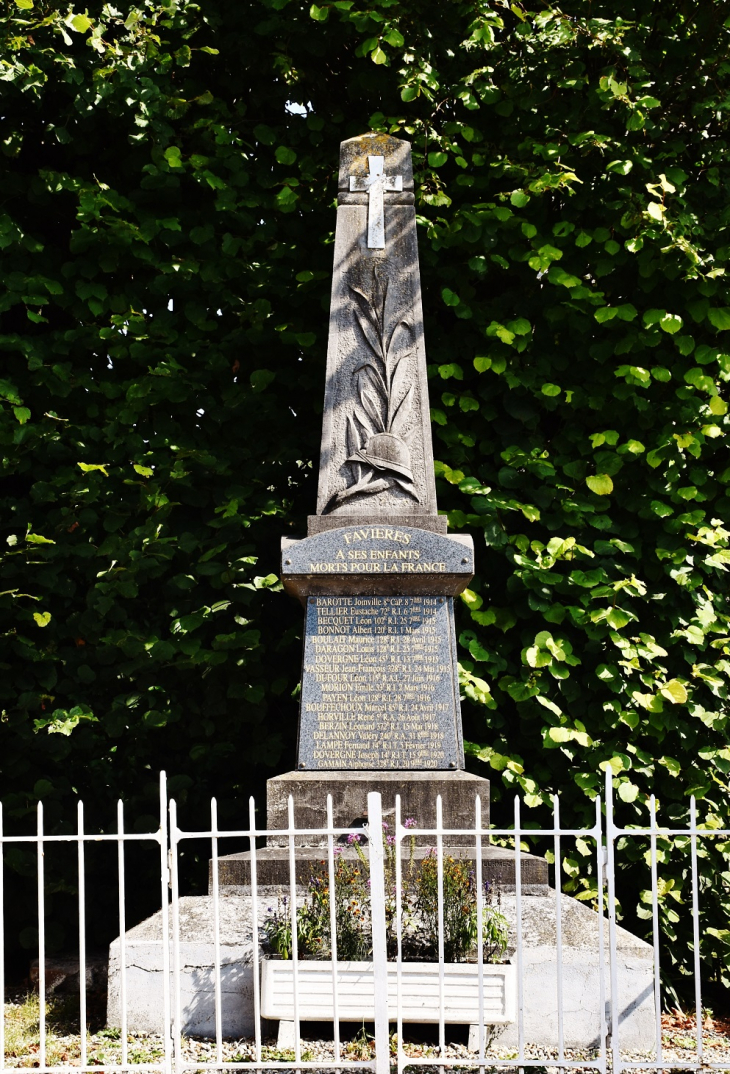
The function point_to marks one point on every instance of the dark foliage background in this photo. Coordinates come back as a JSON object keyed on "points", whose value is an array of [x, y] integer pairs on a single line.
{"points": [[166, 220]]}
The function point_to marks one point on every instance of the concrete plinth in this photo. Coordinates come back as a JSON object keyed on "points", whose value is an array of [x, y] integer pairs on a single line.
{"points": [[349, 790], [145, 976], [580, 974], [273, 871]]}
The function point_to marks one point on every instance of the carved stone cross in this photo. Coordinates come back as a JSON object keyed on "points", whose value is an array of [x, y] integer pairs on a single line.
{"points": [[376, 184], [377, 458]]}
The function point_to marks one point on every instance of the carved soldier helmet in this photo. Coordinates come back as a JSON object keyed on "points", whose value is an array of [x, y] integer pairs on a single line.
{"points": [[385, 451]]}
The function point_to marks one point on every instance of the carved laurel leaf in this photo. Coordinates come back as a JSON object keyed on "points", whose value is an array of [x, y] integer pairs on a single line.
{"points": [[351, 437], [371, 408], [401, 335], [408, 487], [402, 413], [370, 334], [397, 387], [373, 372], [371, 380], [366, 485], [380, 298], [362, 420], [367, 308]]}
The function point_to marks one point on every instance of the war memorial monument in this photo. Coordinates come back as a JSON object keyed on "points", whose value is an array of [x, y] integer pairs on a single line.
{"points": [[377, 575]]}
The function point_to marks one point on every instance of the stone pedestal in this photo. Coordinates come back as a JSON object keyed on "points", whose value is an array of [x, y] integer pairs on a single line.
{"points": [[349, 790], [273, 870], [541, 989]]}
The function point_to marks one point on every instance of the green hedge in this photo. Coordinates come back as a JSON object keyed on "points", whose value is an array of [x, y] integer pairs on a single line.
{"points": [[166, 220]]}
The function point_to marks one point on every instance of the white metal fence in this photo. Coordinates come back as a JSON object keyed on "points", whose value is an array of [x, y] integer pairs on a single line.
{"points": [[615, 984]]}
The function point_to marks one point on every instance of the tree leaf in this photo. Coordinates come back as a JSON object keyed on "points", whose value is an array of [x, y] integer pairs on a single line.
{"points": [[674, 691], [719, 318], [601, 484]]}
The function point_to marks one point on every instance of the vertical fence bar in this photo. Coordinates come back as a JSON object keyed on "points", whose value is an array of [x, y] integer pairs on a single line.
{"points": [[612, 954], [377, 916], [294, 930], [255, 929], [333, 927], [559, 926], [175, 901], [480, 916], [217, 931], [82, 932], [41, 942], [2, 942], [601, 940], [440, 905], [518, 924], [696, 925], [165, 913], [655, 931], [399, 832], [122, 930]]}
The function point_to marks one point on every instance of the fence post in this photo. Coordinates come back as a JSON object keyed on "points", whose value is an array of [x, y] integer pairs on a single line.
{"points": [[377, 914], [611, 883], [165, 908]]}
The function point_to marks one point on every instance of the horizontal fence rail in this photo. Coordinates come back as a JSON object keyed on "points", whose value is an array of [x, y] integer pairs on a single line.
{"points": [[584, 961]]}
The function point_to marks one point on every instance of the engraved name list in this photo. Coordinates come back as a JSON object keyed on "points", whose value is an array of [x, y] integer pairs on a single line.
{"points": [[377, 683]]}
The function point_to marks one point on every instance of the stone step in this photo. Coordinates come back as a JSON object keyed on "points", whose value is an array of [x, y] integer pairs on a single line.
{"points": [[273, 871]]}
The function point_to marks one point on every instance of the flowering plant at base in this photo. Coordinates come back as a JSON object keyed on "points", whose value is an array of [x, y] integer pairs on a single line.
{"points": [[418, 911]]}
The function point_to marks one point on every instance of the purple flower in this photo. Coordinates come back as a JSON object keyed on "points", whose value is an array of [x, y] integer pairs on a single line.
{"points": [[409, 822], [390, 839], [337, 851], [353, 837]]}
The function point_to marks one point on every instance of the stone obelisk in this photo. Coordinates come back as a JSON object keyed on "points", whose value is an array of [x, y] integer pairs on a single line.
{"points": [[377, 572], [376, 460]]}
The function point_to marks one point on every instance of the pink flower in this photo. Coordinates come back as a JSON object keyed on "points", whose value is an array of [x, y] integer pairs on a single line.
{"points": [[409, 822]]}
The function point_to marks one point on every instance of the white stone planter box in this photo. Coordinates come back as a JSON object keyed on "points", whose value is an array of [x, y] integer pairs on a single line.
{"points": [[419, 992]]}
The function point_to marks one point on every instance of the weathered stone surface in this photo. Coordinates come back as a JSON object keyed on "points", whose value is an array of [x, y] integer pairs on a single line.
{"points": [[322, 523], [380, 684], [144, 977], [273, 875], [418, 792], [376, 439], [374, 559], [354, 155], [580, 973]]}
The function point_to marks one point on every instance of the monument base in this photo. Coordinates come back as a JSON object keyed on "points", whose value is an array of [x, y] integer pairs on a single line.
{"points": [[575, 979], [349, 791], [273, 873]]}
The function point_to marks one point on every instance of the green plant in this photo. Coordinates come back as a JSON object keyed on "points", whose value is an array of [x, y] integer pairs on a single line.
{"points": [[165, 251], [418, 911], [459, 909]]}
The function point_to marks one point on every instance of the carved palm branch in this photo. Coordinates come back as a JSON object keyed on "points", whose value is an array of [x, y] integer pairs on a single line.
{"points": [[365, 484], [382, 377], [352, 441]]}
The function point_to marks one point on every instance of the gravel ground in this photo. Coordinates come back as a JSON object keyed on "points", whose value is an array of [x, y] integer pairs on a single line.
{"points": [[104, 1048]]}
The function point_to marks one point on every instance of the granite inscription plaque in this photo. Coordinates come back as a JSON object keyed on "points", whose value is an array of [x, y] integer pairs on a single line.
{"points": [[377, 559], [379, 684]]}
